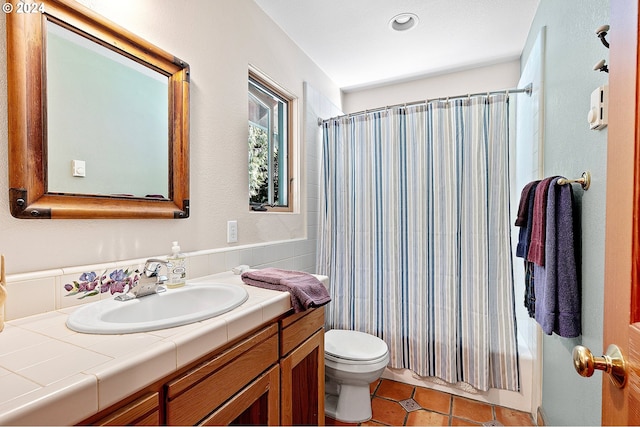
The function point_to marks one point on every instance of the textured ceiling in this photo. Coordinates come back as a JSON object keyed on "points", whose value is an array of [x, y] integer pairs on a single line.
{"points": [[352, 42]]}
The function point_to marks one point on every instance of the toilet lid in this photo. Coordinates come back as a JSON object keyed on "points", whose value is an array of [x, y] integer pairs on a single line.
{"points": [[353, 345]]}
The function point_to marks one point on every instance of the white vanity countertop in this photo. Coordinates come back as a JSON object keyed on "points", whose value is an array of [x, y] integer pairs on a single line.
{"points": [[51, 375]]}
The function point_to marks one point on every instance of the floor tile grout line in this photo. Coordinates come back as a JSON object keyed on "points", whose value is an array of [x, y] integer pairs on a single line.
{"points": [[451, 398]]}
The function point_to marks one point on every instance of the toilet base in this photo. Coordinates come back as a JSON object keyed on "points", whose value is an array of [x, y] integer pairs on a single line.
{"points": [[351, 405]]}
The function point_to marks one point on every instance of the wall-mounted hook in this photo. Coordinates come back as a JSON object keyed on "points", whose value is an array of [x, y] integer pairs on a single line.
{"points": [[601, 66], [601, 32]]}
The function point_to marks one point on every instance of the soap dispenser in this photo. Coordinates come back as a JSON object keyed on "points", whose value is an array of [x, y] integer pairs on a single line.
{"points": [[177, 274]]}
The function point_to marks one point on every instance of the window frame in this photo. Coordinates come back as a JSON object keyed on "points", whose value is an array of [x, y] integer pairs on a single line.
{"points": [[290, 101]]}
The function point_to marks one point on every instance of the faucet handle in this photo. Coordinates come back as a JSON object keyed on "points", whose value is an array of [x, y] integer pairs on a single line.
{"points": [[152, 267]]}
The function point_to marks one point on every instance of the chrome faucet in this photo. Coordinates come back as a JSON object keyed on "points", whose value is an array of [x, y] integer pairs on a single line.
{"points": [[150, 281]]}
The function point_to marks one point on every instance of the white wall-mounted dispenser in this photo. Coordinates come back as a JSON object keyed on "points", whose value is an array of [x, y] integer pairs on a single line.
{"points": [[598, 113]]}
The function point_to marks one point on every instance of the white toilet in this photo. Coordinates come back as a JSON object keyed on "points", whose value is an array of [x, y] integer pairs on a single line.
{"points": [[353, 360]]}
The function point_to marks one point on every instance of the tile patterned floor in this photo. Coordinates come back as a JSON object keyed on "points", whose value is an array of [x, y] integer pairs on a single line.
{"points": [[434, 408]]}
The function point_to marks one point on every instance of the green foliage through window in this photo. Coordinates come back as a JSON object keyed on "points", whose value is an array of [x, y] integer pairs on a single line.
{"points": [[258, 159], [268, 146]]}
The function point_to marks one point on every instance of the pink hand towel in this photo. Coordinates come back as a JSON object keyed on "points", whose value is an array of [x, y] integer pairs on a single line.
{"points": [[538, 227], [306, 291]]}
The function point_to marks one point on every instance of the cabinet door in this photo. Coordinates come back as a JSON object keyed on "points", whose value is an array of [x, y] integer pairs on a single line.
{"points": [[256, 404], [296, 328], [144, 411], [196, 394], [302, 383]]}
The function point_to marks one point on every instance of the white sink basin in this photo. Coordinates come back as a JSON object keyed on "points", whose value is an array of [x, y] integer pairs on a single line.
{"points": [[175, 307]]}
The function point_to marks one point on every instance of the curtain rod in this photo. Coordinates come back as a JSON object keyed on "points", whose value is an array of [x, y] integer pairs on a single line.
{"points": [[527, 89]]}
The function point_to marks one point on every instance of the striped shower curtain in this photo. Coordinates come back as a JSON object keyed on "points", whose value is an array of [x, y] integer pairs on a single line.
{"points": [[415, 236]]}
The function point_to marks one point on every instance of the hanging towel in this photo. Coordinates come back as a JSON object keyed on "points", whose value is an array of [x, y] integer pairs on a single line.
{"points": [[306, 290], [523, 208], [524, 237], [540, 274], [525, 220], [536, 246], [530, 288], [558, 297]]}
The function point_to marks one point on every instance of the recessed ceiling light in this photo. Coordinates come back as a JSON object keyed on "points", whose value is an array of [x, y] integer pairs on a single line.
{"points": [[404, 21]]}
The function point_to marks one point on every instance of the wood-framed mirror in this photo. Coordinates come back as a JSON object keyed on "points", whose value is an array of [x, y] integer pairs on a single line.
{"points": [[74, 152]]}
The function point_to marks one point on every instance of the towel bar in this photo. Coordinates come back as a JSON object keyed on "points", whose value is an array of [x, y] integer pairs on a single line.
{"points": [[584, 181]]}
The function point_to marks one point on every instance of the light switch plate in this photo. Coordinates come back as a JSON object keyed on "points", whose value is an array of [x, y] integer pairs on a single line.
{"points": [[78, 168], [232, 231]]}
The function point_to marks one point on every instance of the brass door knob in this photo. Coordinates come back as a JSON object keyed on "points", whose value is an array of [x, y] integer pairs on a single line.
{"points": [[612, 363]]}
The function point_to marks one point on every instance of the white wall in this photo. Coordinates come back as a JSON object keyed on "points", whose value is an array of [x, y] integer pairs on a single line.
{"points": [[219, 39], [494, 77]]}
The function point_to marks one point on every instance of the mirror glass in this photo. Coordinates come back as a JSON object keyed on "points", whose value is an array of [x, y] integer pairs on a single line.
{"points": [[107, 121]]}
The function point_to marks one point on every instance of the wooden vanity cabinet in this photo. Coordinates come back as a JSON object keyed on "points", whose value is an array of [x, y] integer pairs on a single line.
{"points": [[144, 411], [273, 376], [302, 368], [257, 404], [192, 397]]}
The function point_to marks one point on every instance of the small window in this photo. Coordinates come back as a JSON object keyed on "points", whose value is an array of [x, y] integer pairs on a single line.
{"points": [[269, 147]]}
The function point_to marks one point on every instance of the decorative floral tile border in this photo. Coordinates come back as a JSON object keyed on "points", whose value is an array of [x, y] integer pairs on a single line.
{"points": [[89, 283]]}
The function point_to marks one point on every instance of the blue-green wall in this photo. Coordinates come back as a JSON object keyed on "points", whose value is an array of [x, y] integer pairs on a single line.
{"points": [[571, 50]]}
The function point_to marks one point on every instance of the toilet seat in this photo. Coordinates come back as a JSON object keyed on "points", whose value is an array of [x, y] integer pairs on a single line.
{"points": [[330, 358], [354, 347]]}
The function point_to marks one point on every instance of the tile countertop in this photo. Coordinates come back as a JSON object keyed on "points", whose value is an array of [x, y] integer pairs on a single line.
{"points": [[51, 375]]}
